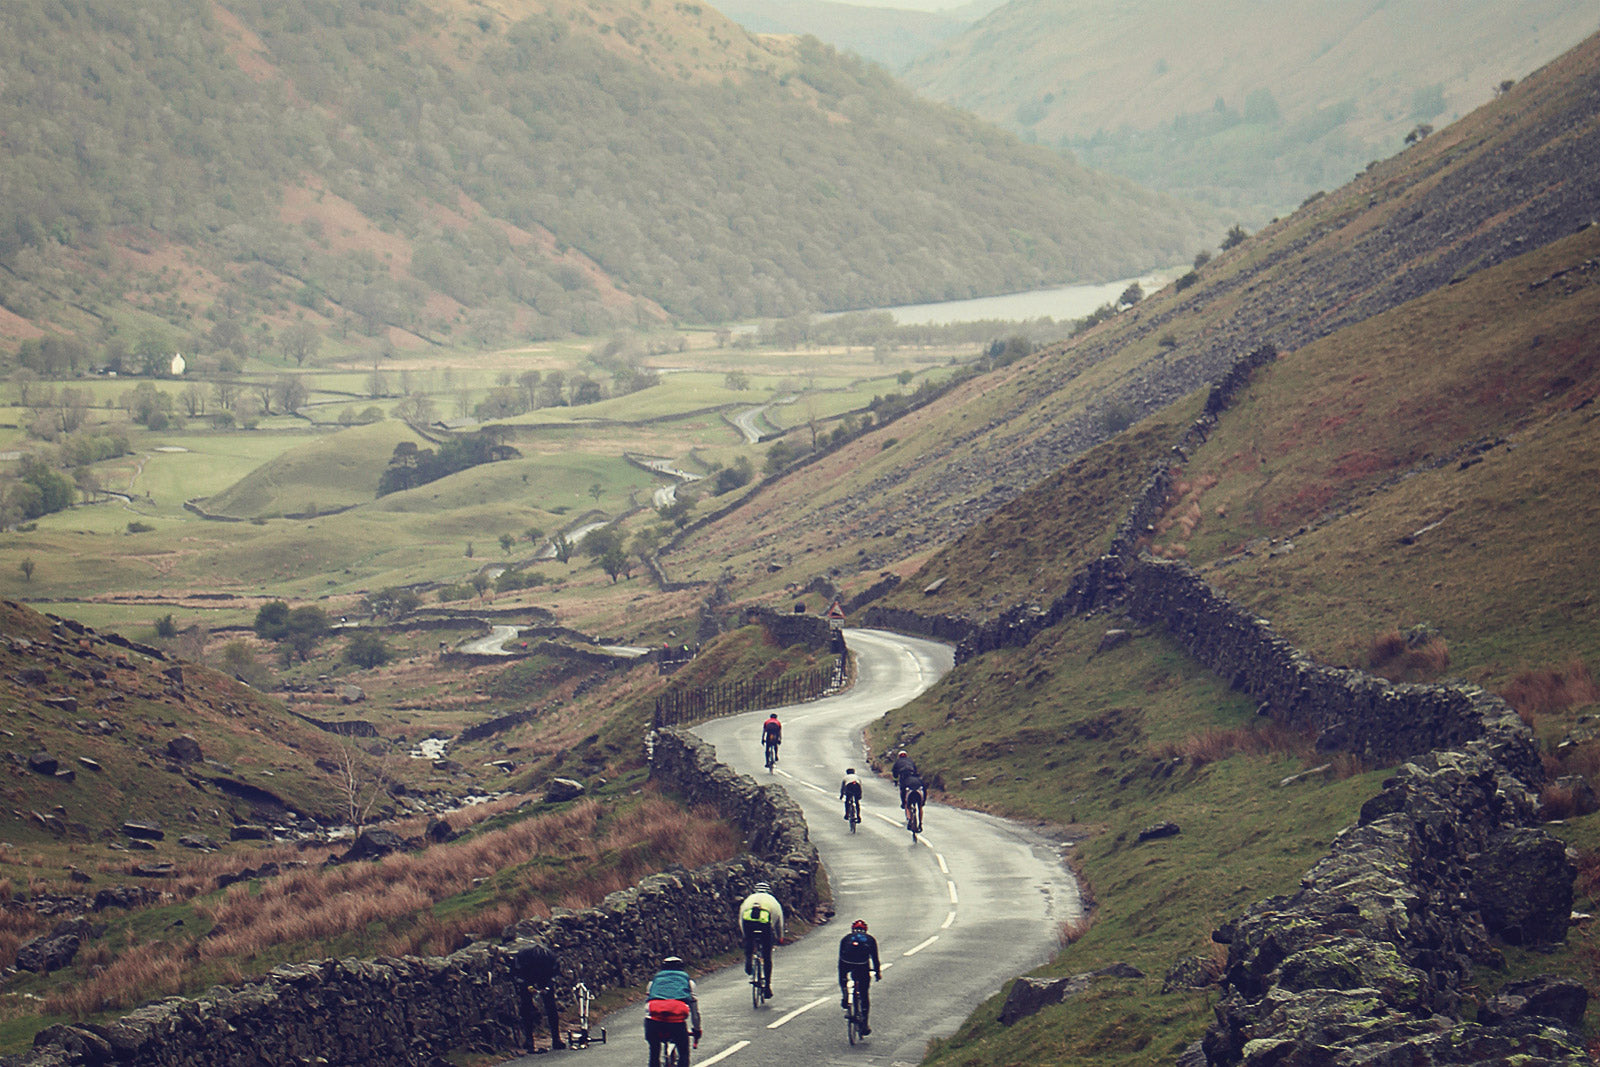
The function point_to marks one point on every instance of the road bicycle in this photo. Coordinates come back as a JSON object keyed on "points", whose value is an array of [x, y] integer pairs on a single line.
{"points": [[772, 754], [852, 812], [914, 817], [669, 1050], [758, 978], [855, 1016]]}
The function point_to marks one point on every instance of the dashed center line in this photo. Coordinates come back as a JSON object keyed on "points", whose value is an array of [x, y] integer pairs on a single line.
{"points": [[948, 919], [724, 1054], [952, 886], [944, 868], [919, 948], [774, 1024]]}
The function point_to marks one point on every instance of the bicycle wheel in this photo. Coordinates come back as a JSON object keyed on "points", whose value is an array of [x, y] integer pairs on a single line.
{"points": [[851, 1027], [669, 1055], [858, 1010], [758, 979]]}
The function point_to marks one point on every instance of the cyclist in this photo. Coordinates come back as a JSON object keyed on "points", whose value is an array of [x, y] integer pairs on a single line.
{"points": [[858, 953], [534, 967], [772, 734], [671, 1011], [850, 792], [903, 766], [914, 795], [761, 920]]}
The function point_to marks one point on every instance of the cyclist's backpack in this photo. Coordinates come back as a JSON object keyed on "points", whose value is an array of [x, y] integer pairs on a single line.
{"points": [[669, 985], [667, 1011], [758, 914]]}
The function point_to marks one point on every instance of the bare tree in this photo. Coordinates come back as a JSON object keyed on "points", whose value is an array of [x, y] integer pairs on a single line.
{"points": [[225, 392], [363, 782], [194, 399]]}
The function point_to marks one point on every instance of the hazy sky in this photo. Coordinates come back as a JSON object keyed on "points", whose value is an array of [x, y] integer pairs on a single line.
{"points": [[909, 5]]}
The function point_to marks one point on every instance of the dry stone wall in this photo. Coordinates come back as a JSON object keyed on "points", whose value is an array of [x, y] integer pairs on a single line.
{"points": [[1368, 961], [416, 1010]]}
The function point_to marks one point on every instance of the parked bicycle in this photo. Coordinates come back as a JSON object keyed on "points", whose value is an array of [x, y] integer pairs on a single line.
{"points": [[580, 1035]]}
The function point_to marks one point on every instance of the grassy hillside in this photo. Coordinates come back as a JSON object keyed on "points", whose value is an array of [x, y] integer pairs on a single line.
{"points": [[497, 171], [1248, 106], [1411, 225]]}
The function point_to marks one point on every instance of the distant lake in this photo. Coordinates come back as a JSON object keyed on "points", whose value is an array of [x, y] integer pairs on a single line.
{"points": [[1062, 303]]}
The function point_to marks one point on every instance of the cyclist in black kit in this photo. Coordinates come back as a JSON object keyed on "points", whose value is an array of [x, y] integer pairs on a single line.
{"points": [[858, 954]]}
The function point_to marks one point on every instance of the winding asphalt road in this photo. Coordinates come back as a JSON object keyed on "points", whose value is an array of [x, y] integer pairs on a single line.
{"points": [[975, 902]]}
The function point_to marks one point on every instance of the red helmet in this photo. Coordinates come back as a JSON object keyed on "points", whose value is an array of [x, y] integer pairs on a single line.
{"points": [[859, 924]]}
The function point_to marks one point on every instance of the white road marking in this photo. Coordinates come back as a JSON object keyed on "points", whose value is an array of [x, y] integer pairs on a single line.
{"points": [[798, 1011], [953, 899], [724, 1054], [948, 919], [944, 868], [919, 948]]}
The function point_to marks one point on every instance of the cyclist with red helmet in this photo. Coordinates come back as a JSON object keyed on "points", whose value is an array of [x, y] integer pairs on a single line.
{"points": [[858, 954]]}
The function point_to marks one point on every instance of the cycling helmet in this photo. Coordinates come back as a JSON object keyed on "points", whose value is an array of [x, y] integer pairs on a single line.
{"points": [[902, 752], [859, 924], [673, 963], [849, 770], [762, 887]]}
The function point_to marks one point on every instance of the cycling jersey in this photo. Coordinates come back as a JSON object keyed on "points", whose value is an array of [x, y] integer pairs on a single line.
{"points": [[850, 787]]}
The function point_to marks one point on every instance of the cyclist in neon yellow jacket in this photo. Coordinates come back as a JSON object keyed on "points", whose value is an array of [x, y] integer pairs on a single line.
{"points": [[761, 920]]}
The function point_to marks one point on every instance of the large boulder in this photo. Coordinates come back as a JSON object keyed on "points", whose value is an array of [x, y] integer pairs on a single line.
{"points": [[55, 950], [184, 749], [562, 789], [1546, 997], [1030, 995], [1522, 884]]}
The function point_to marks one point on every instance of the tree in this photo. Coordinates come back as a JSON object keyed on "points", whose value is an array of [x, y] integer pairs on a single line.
{"points": [[506, 541], [736, 380], [167, 626], [290, 391], [26, 567], [366, 649], [362, 782], [597, 491], [1235, 236], [299, 342], [678, 511], [272, 620], [614, 561], [645, 543], [533, 534], [306, 625], [1131, 295], [563, 548]]}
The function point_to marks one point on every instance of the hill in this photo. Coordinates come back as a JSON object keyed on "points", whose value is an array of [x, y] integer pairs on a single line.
{"points": [[205, 176], [103, 732], [890, 36], [1246, 106], [1409, 226]]}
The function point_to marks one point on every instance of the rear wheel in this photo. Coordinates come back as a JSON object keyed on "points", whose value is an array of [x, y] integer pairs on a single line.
{"points": [[758, 979]]}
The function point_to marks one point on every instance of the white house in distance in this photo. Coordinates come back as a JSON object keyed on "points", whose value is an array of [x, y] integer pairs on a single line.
{"points": [[178, 364]]}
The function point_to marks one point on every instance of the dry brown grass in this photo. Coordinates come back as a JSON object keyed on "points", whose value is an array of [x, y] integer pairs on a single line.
{"points": [[1399, 658], [148, 971], [571, 858], [1218, 743], [1073, 929], [1547, 691]]}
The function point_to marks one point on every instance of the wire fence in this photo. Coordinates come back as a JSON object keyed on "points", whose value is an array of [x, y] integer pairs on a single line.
{"points": [[693, 704]]}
